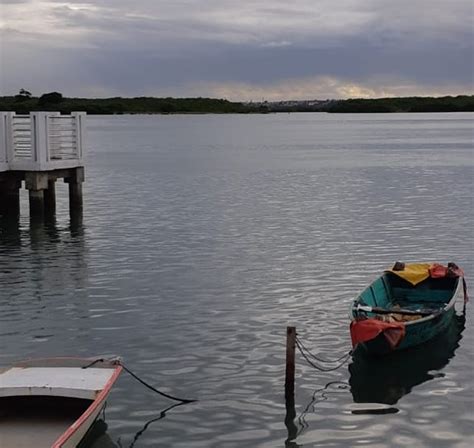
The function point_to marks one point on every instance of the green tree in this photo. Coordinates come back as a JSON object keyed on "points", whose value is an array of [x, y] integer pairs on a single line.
{"points": [[50, 98]]}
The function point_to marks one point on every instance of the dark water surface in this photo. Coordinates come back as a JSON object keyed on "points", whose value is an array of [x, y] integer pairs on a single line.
{"points": [[203, 237]]}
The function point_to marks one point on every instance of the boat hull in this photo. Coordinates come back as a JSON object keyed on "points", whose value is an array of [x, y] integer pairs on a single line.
{"points": [[392, 314], [79, 432], [415, 334]]}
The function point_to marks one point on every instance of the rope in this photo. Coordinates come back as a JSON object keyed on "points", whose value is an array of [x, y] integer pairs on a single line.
{"points": [[306, 353], [328, 361], [93, 363], [149, 386], [181, 400]]}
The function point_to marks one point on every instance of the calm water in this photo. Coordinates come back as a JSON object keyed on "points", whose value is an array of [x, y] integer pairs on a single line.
{"points": [[203, 237]]}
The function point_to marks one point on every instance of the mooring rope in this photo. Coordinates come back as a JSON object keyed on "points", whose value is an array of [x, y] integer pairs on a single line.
{"points": [[149, 386], [181, 400], [307, 354]]}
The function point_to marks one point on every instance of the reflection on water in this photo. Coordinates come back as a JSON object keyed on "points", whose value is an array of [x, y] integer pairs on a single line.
{"points": [[319, 395], [162, 415], [387, 379], [39, 231], [290, 424], [97, 437]]}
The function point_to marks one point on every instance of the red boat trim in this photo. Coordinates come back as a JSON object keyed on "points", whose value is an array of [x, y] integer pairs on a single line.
{"points": [[94, 405]]}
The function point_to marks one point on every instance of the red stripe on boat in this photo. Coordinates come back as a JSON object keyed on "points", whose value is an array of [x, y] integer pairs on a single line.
{"points": [[99, 401], [368, 329]]}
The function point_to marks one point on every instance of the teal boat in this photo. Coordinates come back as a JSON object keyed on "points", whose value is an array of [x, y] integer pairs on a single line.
{"points": [[406, 306]]}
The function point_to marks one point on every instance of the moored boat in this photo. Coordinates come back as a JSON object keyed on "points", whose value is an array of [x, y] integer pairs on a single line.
{"points": [[52, 403], [406, 306]]}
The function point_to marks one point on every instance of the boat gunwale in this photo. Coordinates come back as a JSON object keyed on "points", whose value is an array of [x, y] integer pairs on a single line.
{"points": [[98, 401], [431, 316]]}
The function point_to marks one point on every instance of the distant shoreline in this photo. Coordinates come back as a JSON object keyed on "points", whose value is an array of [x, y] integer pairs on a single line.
{"points": [[150, 105]]}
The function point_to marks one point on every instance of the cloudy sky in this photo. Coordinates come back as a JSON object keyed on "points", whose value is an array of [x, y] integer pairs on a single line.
{"points": [[237, 49]]}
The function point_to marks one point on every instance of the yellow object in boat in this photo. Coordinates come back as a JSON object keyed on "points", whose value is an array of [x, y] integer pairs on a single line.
{"points": [[413, 272]]}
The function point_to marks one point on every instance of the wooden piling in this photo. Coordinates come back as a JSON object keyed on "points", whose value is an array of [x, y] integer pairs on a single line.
{"points": [[290, 363]]}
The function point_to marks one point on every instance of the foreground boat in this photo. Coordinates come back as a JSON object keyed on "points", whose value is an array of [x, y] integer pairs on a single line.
{"points": [[407, 306], [52, 403]]}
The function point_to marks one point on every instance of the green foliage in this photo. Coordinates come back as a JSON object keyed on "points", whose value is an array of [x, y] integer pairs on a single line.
{"points": [[408, 104], [146, 105], [23, 95], [51, 98]]}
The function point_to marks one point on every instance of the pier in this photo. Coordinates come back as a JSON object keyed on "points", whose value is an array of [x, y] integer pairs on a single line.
{"points": [[37, 150]]}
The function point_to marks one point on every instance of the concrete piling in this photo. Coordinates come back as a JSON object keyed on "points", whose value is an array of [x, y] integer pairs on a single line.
{"points": [[9, 195], [50, 197], [41, 186]]}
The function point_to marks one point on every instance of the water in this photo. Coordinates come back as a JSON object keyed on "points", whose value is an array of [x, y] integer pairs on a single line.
{"points": [[203, 237]]}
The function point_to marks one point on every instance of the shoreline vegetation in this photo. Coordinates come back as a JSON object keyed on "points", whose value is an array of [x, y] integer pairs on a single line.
{"points": [[24, 102]]}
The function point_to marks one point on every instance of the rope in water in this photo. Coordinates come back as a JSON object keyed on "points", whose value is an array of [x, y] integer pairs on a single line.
{"points": [[307, 354], [149, 386]]}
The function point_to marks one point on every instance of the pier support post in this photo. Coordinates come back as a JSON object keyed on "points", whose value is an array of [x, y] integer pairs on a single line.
{"points": [[36, 203], [36, 182], [10, 196], [75, 181], [50, 197]]}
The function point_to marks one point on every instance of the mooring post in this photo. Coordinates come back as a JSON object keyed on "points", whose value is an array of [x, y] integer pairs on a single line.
{"points": [[290, 362], [290, 386]]}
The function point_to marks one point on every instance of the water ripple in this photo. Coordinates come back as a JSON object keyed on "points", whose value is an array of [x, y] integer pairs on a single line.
{"points": [[203, 237]]}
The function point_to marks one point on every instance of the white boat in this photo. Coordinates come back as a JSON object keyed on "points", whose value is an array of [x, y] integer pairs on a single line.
{"points": [[52, 403]]}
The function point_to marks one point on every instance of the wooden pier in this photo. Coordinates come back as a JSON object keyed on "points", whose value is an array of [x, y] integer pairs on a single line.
{"points": [[38, 149]]}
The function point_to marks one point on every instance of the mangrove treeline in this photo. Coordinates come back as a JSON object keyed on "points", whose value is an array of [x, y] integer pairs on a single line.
{"points": [[24, 102]]}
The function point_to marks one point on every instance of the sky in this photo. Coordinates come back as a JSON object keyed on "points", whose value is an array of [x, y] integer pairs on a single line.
{"points": [[244, 50]]}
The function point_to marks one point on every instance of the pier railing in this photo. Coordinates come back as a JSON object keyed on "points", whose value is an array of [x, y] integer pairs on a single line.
{"points": [[41, 141]]}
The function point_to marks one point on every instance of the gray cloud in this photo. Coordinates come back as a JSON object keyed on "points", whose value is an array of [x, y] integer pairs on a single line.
{"points": [[173, 47]]}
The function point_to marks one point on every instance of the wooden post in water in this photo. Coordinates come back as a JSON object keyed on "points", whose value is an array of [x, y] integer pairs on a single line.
{"points": [[290, 362], [290, 387]]}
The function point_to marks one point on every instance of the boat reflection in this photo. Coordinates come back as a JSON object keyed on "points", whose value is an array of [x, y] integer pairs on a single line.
{"points": [[97, 437], [387, 379]]}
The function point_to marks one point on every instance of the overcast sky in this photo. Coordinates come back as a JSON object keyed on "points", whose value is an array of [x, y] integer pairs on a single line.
{"points": [[237, 49]]}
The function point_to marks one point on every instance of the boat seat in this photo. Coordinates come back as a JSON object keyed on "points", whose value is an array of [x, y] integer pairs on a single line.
{"points": [[54, 381]]}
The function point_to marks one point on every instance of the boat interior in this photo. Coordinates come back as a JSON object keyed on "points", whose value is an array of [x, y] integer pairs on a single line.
{"points": [[37, 421], [390, 290]]}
